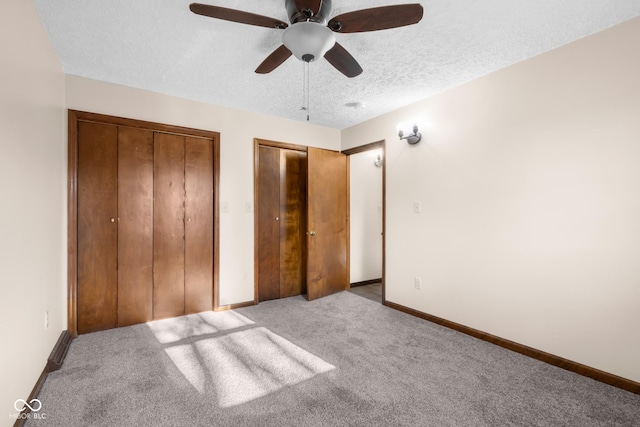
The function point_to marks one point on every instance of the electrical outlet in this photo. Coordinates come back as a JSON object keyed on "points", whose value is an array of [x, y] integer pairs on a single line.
{"points": [[46, 319], [417, 207], [224, 207], [417, 283], [248, 208]]}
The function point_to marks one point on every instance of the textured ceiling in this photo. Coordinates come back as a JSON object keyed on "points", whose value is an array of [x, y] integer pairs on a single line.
{"points": [[159, 45]]}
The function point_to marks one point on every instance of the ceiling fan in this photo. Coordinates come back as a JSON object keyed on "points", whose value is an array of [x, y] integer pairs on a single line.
{"points": [[310, 36]]}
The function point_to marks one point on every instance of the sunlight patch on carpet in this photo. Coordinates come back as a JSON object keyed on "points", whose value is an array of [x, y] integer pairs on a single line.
{"points": [[226, 355], [253, 363], [186, 360], [242, 366], [193, 325]]}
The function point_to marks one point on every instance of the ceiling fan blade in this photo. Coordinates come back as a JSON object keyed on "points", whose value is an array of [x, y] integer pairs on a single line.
{"points": [[312, 5], [274, 60], [343, 61], [377, 18], [234, 15]]}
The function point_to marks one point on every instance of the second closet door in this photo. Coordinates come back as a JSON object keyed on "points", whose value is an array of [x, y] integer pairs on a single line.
{"points": [[183, 226], [281, 223]]}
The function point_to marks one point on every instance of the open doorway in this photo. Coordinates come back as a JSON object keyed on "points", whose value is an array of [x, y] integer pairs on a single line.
{"points": [[366, 220]]}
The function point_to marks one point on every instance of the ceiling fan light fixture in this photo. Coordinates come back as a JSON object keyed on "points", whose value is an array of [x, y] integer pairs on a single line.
{"points": [[308, 41]]}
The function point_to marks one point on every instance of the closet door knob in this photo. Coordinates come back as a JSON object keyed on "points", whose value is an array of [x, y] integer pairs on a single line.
{"points": [[312, 233], [113, 220], [277, 218]]}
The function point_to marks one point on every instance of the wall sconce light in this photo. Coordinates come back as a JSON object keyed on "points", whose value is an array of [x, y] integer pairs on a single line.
{"points": [[413, 138]]}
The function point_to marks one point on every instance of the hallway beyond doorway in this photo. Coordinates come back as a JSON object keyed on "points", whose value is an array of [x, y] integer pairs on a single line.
{"points": [[372, 292]]}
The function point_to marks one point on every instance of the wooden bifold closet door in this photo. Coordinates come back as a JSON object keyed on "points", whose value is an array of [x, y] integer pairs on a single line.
{"points": [[281, 222], [115, 241], [97, 227], [135, 226], [183, 230], [145, 225]]}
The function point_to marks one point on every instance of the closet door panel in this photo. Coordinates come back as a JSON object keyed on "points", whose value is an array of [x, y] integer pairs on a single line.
{"points": [[292, 222], [268, 223], [327, 222], [168, 236], [198, 271], [135, 226], [97, 227]]}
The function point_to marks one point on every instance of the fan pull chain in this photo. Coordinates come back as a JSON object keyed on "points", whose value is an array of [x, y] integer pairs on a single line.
{"points": [[305, 88]]}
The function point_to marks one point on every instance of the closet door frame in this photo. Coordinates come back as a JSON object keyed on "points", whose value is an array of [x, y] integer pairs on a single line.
{"points": [[74, 117]]}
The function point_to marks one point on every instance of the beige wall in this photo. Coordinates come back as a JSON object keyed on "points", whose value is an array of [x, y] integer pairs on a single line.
{"points": [[529, 180], [237, 131], [33, 209]]}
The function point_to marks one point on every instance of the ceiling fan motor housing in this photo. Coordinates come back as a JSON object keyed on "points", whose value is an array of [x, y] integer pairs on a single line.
{"points": [[296, 15]]}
